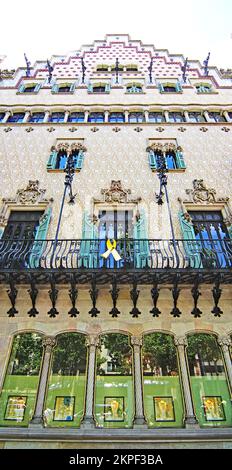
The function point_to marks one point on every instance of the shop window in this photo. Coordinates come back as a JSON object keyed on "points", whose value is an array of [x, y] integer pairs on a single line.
{"points": [[67, 382], [76, 117], [116, 117], [196, 117], [217, 117], [114, 392], [136, 117], [156, 117], [208, 381], [36, 117], [18, 397], [56, 117], [161, 382], [96, 117], [16, 117], [176, 117], [134, 88]]}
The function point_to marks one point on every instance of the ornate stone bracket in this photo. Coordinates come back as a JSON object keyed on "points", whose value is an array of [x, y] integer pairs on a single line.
{"points": [[114, 295], [168, 147], [68, 147], [116, 194]]}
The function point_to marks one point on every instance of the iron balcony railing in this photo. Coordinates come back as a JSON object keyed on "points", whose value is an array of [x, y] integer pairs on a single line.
{"points": [[134, 254]]}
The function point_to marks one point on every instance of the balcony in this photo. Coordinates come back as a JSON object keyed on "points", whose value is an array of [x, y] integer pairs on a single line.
{"points": [[143, 258]]}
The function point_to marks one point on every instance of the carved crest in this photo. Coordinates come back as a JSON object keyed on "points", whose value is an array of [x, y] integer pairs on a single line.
{"points": [[67, 147], [116, 194], [201, 193], [32, 194], [168, 147]]}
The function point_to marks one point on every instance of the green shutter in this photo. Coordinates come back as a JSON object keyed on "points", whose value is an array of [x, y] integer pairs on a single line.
{"points": [[141, 248], [107, 88], [79, 160], [178, 86], [55, 88], [72, 87], [161, 88], [51, 164], [37, 87], [21, 88], [41, 234], [180, 160], [152, 160], [191, 245], [89, 245], [90, 88]]}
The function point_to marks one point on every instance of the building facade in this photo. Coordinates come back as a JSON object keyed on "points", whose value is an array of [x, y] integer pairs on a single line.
{"points": [[115, 250]]}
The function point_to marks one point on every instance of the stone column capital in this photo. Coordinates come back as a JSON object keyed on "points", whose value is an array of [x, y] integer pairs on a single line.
{"points": [[136, 341], [224, 341], [49, 342], [92, 340], [180, 341]]}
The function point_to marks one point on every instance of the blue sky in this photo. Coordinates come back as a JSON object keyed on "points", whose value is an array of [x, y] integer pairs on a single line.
{"points": [[46, 27]]}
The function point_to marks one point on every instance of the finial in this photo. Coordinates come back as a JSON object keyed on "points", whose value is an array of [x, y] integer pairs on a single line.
{"points": [[28, 72], [150, 70], [50, 70], [83, 69], [206, 62], [184, 70]]}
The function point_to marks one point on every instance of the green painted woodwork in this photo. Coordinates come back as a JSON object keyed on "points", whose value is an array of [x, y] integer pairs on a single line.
{"points": [[180, 160], [141, 248], [107, 89], [41, 234], [65, 386], [21, 88], [90, 88], [211, 386], [152, 160], [161, 88], [19, 385], [55, 88], [114, 386], [79, 160], [88, 249], [51, 164], [191, 246], [162, 386], [1, 232]]}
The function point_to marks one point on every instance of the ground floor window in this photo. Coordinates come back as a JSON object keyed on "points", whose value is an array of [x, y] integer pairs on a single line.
{"points": [[163, 404], [114, 390]]}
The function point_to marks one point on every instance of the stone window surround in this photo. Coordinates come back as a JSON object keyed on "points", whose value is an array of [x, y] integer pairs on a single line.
{"points": [[92, 342], [126, 110]]}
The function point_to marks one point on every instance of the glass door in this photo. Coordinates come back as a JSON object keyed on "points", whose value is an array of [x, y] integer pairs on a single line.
{"points": [[115, 225]]}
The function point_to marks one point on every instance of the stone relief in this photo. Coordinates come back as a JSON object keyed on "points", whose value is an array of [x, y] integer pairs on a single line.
{"points": [[116, 194], [168, 147], [32, 194], [68, 147], [202, 194]]}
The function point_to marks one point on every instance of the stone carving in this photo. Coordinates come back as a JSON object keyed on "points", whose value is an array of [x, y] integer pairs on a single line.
{"points": [[116, 194], [8, 129], [49, 343], [225, 129], [181, 341], [92, 340], [201, 193], [168, 147], [160, 129], [203, 129], [224, 342], [68, 147], [136, 341], [6, 74], [32, 194], [51, 129]]}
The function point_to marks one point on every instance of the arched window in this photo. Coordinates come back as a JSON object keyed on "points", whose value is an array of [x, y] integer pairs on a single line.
{"points": [[96, 117], [116, 117], [56, 117], [76, 117], [156, 117], [162, 390], [36, 117], [134, 88], [114, 396], [16, 117], [136, 117], [67, 382], [19, 391], [61, 159], [208, 381], [176, 117], [173, 158]]}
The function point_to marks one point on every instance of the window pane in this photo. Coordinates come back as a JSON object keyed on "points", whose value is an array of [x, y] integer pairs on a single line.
{"points": [[76, 117], [208, 381], [16, 117], [156, 117], [169, 89], [196, 117], [19, 391], [162, 390], [56, 117], [2, 116], [116, 117], [176, 117], [136, 117], [36, 117], [114, 394], [96, 117], [67, 382]]}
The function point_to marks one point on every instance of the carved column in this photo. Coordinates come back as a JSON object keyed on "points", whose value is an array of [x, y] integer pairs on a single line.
{"points": [[186, 115], [126, 113], [88, 421], [226, 115], [66, 115], [7, 115], [49, 343], [166, 115], [27, 114], [106, 116], [146, 113], [46, 116], [225, 343], [190, 419], [86, 116], [206, 115], [136, 343]]}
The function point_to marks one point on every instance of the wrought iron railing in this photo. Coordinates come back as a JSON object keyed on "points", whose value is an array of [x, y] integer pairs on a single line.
{"points": [[134, 254]]}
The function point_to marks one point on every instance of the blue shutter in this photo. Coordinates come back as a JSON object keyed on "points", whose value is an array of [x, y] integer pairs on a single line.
{"points": [[107, 88], [37, 87], [141, 248], [40, 237], [89, 244], [72, 87], [180, 160], [21, 88], [90, 88], [178, 86], [161, 88], [79, 160], [51, 164], [152, 160], [55, 88], [191, 245]]}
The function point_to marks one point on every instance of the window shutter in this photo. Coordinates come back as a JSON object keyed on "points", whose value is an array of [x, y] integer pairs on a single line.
{"points": [[72, 87], [21, 88], [152, 160], [37, 87], [107, 88], [178, 86], [55, 88], [79, 161], [191, 245], [90, 88], [161, 88], [40, 237], [141, 248], [51, 164], [180, 160], [89, 244]]}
